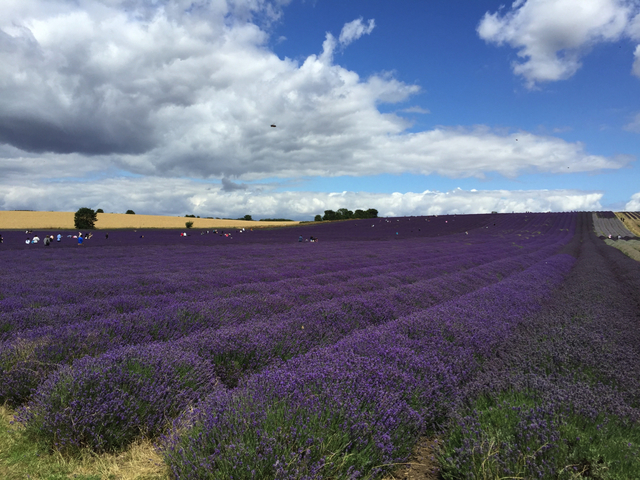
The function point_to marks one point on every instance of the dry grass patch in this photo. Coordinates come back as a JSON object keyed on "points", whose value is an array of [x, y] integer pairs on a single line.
{"points": [[22, 220], [632, 224], [22, 458], [630, 248], [138, 462]]}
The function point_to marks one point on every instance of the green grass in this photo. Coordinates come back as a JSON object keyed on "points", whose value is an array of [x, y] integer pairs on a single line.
{"points": [[496, 440], [279, 430]]}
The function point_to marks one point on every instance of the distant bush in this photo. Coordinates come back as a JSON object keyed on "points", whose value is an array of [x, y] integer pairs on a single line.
{"points": [[190, 216], [246, 217], [107, 402], [188, 224], [130, 212], [276, 220], [99, 210], [85, 218], [318, 218]]}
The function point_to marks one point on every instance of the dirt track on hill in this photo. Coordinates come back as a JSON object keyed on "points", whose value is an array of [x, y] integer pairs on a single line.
{"points": [[27, 220]]}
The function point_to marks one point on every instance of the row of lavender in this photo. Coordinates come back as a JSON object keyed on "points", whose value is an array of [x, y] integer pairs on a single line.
{"points": [[367, 230], [561, 399], [539, 377], [610, 227], [353, 408], [340, 387], [248, 326], [334, 232], [181, 273]]}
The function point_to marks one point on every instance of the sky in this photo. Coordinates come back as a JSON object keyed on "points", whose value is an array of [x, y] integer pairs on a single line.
{"points": [[411, 107]]}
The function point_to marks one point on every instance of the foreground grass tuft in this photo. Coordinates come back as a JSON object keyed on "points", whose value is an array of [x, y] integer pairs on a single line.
{"points": [[22, 458]]}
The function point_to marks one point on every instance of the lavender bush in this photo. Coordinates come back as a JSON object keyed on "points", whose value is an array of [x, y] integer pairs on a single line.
{"points": [[373, 392], [108, 401]]}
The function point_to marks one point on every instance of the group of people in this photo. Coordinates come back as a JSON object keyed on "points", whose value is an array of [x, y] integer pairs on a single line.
{"points": [[35, 239], [215, 232], [48, 239], [311, 239]]}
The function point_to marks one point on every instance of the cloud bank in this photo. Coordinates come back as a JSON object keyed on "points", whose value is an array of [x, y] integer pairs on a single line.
{"points": [[181, 196]]}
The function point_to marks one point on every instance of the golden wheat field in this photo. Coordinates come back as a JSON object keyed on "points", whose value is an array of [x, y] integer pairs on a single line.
{"points": [[29, 220]]}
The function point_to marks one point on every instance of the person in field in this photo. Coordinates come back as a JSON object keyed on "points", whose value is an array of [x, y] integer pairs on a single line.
{"points": [[47, 240], [80, 240], [59, 237]]}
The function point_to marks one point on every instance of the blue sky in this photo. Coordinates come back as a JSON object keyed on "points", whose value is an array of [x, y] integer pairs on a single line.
{"points": [[411, 107], [465, 81]]}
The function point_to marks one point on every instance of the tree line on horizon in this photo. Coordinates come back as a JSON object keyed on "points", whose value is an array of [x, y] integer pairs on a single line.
{"points": [[85, 217], [346, 214]]}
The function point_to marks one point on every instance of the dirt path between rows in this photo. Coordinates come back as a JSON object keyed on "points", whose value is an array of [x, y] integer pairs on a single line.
{"points": [[422, 465]]}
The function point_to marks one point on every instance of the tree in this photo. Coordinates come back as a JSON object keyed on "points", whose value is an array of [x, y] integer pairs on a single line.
{"points": [[329, 215], [344, 213], [188, 224], [130, 212], [247, 217], [318, 218], [85, 218], [99, 210]]}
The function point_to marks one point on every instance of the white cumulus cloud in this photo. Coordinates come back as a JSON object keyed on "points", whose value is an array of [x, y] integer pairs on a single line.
{"points": [[636, 62], [117, 102], [552, 36], [174, 89], [633, 205], [354, 30]]}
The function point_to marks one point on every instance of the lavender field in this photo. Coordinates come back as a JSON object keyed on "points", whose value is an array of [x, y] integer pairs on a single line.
{"points": [[511, 339]]}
